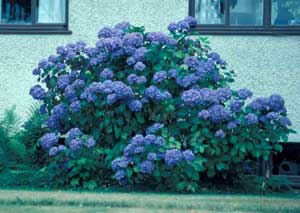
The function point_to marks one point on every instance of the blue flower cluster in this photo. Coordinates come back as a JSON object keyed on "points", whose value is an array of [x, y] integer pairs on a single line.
{"points": [[205, 96], [182, 26], [74, 142], [156, 94], [148, 150]]}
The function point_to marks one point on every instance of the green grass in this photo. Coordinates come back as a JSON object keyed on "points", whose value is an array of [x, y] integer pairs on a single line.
{"points": [[68, 201]]}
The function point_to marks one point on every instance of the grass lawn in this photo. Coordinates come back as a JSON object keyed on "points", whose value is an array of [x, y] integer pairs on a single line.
{"points": [[67, 201]]}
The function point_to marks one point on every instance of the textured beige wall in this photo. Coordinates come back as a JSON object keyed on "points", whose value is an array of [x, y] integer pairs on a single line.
{"points": [[266, 64]]}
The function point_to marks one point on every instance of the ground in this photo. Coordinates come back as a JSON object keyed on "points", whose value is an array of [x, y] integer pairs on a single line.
{"points": [[68, 201]]}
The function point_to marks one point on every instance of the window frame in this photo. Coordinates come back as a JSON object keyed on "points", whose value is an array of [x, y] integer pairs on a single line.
{"points": [[226, 29], [36, 28]]}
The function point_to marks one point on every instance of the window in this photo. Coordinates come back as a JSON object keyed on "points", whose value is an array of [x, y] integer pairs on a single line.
{"points": [[34, 16], [246, 16]]}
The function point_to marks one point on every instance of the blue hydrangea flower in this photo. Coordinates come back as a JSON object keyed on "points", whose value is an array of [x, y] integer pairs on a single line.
{"points": [[191, 21], [146, 167], [219, 114], [74, 133], [220, 134], [157, 38], [244, 93], [150, 139], [159, 141], [120, 163], [120, 174], [284, 121], [129, 150], [49, 140], [107, 74], [139, 149], [135, 105], [140, 53], [36, 71], [90, 143], [75, 106], [63, 81], [184, 26], [259, 104], [160, 76], [191, 97], [154, 128], [204, 114], [151, 156], [251, 119], [37, 92], [62, 148], [105, 32], [173, 73], [272, 115], [276, 102], [173, 27], [134, 39], [233, 124], [188, 155], [60, 111], [173, 157], [53, 151], [236, 106], [75, 144], [137, 140], [130, 61], [53, 123], [139, 66], [192, 62]]}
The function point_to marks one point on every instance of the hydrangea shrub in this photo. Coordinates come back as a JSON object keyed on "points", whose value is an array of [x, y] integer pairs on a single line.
{"points": [[147, 106]]}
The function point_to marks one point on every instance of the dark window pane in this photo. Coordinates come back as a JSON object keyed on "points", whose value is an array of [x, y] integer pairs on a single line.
{"points": [[51, 11], [210, 11], [15, 11], [286, 12], [246, 12]]}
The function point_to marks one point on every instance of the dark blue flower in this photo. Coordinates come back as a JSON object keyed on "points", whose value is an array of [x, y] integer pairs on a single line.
{"points": [[251, 119], [75, 144], [37, 92], [244, 93], [188, 155], [74, 133], [173, 157], [107, 74], [139, 66], [284, 121], [49, 140], [154, 128], [160, 76], [53, 151], [146, 167], [220, 134]]}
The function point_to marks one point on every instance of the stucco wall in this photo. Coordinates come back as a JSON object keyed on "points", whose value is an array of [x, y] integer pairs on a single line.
{"points": [[267, 64]]}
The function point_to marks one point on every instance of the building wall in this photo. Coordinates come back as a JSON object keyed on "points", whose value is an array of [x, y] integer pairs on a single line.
{"points": [[266, 64]]}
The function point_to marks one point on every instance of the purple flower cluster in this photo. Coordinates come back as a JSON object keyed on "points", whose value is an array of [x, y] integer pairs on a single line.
{"points": [[183, 25], [107, 74], [154, 128], [160, 76], [173, 157], [156, 94], [195, 96], [134, 79], [219, 114], [37, 92], [49, 140]]}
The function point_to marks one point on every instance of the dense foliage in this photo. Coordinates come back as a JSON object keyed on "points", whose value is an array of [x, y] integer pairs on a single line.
{"points": [[151, 109]]}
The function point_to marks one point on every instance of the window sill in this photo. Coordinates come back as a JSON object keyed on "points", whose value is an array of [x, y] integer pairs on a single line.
{"points": [[35, 30], [243, 30]]}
